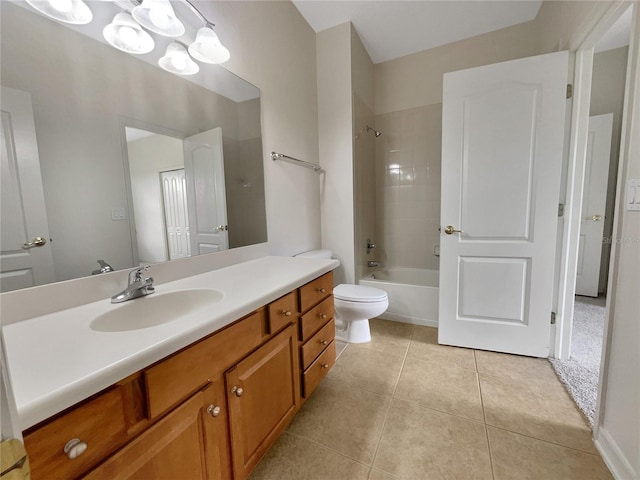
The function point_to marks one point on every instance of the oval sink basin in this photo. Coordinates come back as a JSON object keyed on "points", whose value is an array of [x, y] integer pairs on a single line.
{"points": [[155, 309]]}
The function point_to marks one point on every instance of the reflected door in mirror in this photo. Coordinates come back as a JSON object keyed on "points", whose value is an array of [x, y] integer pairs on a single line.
{"points": [[23, 261], [206, 197]]}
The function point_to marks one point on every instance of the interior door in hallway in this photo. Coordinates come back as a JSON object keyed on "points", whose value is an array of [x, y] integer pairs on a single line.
{"points": [[594, 199], [206, 195], [25, 259], [502, 144]]}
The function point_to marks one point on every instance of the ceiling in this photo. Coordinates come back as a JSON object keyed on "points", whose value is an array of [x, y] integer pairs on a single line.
{"points": [[392, 29], [618, 35]]}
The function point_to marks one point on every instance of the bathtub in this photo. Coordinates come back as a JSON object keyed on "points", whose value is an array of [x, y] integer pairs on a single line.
{"points": [[413, 294]]}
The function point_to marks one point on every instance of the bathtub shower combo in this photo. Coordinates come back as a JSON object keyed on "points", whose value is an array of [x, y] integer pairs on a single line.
{"points": [[412, 293]]}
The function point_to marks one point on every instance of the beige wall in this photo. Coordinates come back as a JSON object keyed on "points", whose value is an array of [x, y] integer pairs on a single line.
{"points": [[416, 80], [147, 158], [621, 422], [364, 144], [607, 96], [274, 48], [335, 118]]}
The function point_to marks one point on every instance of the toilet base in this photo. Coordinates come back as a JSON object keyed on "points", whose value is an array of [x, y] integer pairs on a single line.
{"points": [[357, 331]]}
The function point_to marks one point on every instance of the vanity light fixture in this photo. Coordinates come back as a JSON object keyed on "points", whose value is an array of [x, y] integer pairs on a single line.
{"points": [[159, 17], [178, 61], [69, 11], [207, 47], [125, 34]]}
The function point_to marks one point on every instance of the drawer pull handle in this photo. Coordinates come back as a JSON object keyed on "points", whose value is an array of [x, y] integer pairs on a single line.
{"points": [[325, 365], [237, 391], [213, 410], [323, 316], [323, 342], [322, 290], [74, 448], [286, 313]]}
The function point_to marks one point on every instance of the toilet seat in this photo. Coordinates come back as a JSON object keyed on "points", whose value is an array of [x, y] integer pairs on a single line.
{"points": [[359, 294]]}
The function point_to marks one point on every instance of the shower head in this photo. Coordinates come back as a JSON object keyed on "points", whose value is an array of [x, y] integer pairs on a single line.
{"points": [[377, 133]]}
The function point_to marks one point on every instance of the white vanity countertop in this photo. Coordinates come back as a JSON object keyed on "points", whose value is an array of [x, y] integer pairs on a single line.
{"points": [[56, 360]]}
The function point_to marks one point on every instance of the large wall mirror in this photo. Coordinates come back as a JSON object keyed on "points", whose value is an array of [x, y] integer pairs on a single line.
{"points": [[137, 165]]}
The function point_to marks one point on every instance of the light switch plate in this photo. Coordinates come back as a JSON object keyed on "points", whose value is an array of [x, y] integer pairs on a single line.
{"points": [[117, 213], [632, 198]]}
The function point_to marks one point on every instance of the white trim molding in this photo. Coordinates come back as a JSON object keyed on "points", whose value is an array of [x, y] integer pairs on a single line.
{"points": [[620, 468]]}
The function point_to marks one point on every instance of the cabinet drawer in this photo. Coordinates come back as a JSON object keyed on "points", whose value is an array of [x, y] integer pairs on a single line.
{"points": [[167, 382], [283, 311], [100, 423], [315, 318], [318, 370], [313, 292], [316, 344]]}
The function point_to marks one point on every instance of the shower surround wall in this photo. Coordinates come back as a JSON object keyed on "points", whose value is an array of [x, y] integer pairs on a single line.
{"points": [[408, 187]]}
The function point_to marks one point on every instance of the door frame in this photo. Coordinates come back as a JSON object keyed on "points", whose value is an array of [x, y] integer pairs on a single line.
{"points": [[583, 44], [123, 123]]}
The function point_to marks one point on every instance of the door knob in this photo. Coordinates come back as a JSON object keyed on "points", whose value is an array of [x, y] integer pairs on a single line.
{"points": [[237, 391], [449, 229], [222, 228], [36, 242], [596, 218]]}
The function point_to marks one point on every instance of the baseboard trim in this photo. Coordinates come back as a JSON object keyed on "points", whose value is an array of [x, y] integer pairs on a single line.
{"points": [[613, 457], [396, 317]]}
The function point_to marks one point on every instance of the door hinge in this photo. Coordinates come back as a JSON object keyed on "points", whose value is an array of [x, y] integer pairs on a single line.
{"points": [[561, 209], [569, 90], [553, 318]]}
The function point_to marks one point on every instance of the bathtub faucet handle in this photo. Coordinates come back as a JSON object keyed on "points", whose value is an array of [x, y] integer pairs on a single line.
{"points": [[373, 263], [370, 245]]}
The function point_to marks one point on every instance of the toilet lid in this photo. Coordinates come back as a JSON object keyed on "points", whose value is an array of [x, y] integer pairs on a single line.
{"points": [[359, 293]]}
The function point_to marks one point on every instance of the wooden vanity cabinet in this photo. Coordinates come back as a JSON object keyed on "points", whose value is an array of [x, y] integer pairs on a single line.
{"points": [[209, 411], [263, 396], [316, 332], [187, 443]]}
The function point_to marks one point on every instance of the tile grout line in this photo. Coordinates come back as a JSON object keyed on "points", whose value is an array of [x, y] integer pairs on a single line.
{"points": [[332, 450], [484, 416], [545, 441], [395, 388]]}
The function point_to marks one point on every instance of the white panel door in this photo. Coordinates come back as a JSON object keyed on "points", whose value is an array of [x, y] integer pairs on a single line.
{"points": [[206, 197], [502, 139], [594, 199], [176, 218], [25, 261]]}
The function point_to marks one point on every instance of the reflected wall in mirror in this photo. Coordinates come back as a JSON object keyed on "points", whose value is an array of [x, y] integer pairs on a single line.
{"points": [[85, 95]]}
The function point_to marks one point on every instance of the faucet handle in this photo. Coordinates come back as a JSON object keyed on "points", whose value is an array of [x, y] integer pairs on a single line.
{"points": [[136, 273]]}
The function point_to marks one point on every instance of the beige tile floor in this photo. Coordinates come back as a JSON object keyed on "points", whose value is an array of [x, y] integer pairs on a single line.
{"points": [[404, 407]]}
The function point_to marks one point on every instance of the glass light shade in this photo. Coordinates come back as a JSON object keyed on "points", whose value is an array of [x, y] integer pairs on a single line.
{"points": [[126, 35], [69, 11], [178, 61], [159, 17], [208, 48]]}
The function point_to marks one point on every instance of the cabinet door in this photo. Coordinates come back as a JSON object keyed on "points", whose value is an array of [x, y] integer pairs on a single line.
{"points": [[181, 445], [262, 398]]}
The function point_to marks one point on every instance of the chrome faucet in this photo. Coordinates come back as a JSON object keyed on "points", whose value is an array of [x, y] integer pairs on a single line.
{"points": [[104, 268], [137, 286]]}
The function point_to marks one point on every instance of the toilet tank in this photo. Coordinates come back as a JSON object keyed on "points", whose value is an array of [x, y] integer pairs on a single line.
{"points": [[316, 254]]}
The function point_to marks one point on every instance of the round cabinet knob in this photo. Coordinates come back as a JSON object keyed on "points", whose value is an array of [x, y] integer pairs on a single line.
{"points": [[323, 316], [323, 342], [322, 290], [324, 365], [74, 448], [286, 313], [213, 410], [237, 391]]}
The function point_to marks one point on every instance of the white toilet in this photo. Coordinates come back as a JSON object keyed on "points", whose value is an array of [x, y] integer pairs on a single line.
{"points": [[354, 306]]}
